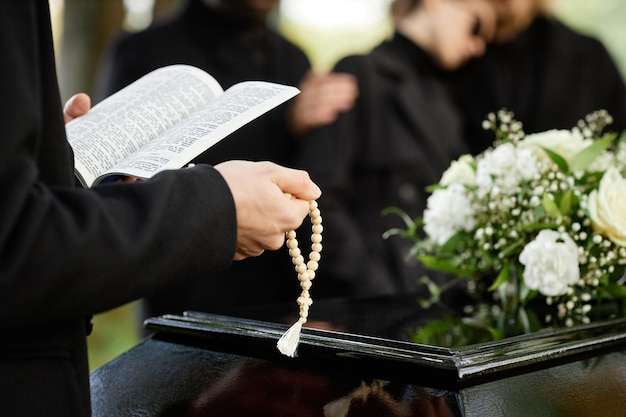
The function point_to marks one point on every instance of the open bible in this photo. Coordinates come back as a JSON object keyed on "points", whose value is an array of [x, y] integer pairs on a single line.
{"points": [[163, 121]]}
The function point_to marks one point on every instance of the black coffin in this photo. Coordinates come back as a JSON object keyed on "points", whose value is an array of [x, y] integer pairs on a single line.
{"points": [[200, 364]]}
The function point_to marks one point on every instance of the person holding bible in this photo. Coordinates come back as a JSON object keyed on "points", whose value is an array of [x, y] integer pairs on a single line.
{"points": [[232, 41], [67, 253]]}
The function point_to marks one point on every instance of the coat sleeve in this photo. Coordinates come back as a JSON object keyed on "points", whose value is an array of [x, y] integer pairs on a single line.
{"points": [[67, 252]]}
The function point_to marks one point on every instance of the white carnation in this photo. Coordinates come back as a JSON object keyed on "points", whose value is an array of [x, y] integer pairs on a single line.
{"points": [[502, 169], [448, 211], [550, 263]]}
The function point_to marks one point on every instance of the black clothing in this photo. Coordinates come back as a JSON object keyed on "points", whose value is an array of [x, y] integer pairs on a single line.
{"points": [[549, 76], [231, 53], [67, 253], [398, 139]]}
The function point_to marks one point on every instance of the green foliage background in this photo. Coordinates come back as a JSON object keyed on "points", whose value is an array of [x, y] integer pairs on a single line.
{"points": [[119, 330]]}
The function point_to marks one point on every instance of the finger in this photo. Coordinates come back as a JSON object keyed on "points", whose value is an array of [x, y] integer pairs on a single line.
{"points": [[342, 82], [339, 89], [78, 105], [312, 76], [241, 254], [344, 78], [297, 183]]}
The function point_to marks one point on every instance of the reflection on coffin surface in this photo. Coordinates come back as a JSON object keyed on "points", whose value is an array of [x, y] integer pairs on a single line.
{"points": [[356, 362]]}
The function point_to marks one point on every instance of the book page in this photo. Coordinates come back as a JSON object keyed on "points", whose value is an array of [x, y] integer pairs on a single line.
{"points": [[129, 119], [206, 126]]}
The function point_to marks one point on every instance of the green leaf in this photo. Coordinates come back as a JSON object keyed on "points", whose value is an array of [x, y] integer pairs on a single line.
{"points": [[433, 290], [565, 205], [417, 248], [552, 209], [537, 226], [411, 224], [557, 159], [432, 188], [454, 242], [408, 221], [444, 265], [522, 318], [616, 290], [584, 158], [512, 248], [496, 334], [396, 232], [502, 277], [538, 213]]}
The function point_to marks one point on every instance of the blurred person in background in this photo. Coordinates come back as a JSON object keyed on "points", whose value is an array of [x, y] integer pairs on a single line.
{"points": [[547, 74], [400, 136]]}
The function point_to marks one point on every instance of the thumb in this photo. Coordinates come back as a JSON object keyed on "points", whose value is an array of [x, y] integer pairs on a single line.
{"points": [[78, 105]]}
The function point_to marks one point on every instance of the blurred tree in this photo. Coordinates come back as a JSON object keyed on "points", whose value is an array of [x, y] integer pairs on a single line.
{"points": [[88, 25], [87, 28], [600, 18]]}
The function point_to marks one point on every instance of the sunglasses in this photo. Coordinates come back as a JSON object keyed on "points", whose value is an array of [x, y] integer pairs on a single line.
{"points": [[477, 26]]}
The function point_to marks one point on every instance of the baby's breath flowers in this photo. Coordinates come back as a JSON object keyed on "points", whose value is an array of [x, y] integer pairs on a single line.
{"points": [[537, 217]]}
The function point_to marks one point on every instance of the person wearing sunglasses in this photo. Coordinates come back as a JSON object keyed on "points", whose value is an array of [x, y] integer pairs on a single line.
{"points": [[546, 73]]}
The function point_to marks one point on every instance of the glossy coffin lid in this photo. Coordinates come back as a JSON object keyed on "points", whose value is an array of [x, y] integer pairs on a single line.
{"points": [[391, 359]]}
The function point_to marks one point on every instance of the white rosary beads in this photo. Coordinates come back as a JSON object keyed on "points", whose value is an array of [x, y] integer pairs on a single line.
{"points": [[288, 342]]}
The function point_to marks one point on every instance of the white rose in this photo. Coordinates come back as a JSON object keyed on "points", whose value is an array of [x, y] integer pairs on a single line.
{"points": [[448, 211], [562, 142], [607, 207], [550, 263], [460, 171]]}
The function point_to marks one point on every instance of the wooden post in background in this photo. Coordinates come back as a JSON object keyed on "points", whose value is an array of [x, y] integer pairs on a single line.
{"points": [[87, 27]]}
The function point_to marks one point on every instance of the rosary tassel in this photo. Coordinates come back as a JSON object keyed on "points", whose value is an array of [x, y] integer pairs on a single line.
{"points": [[288, 342]]}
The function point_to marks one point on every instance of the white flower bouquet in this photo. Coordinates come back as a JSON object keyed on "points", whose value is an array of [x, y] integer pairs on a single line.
{"points": [[536, 219]]}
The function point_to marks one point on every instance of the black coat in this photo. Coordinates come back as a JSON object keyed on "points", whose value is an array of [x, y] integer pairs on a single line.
{"points": [[225, 49], [67, 253], [550, 77], [398, 139]]}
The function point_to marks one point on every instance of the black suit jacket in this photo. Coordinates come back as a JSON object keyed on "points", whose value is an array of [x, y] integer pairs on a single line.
{"points": [[550, 77], [226, 49], [68, 253], [398, 139]]}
